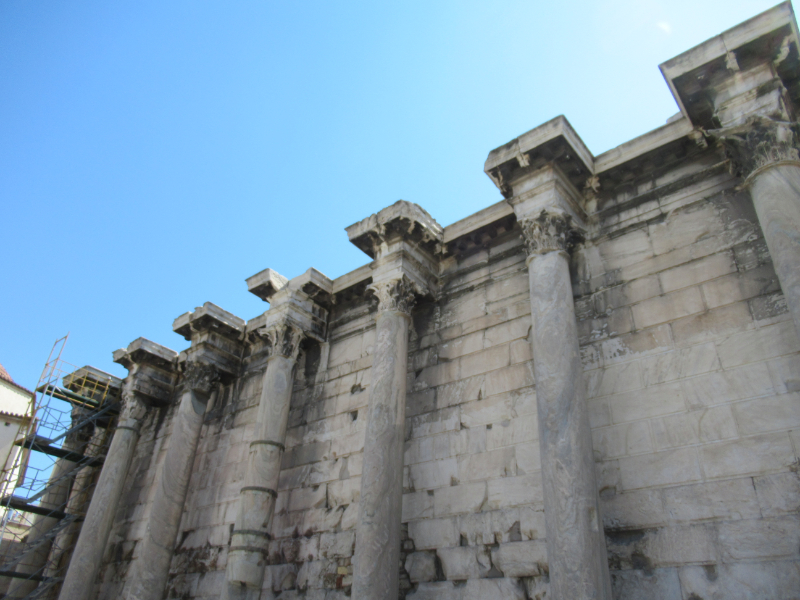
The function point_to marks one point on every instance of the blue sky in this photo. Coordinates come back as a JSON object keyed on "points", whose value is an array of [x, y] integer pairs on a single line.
{"points": [[155, 154]]}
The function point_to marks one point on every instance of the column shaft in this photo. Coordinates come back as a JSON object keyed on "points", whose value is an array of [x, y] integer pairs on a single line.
{"points": [[776, 197], [250, 538], [96, 527], [575, 541], [151, 570], [377, 556]]}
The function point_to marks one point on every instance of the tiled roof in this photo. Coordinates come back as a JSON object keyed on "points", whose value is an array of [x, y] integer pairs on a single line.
{"points": [[4, 375]]}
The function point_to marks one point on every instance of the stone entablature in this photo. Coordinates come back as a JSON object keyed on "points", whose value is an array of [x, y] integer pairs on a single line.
{"points": [[602, 362]]}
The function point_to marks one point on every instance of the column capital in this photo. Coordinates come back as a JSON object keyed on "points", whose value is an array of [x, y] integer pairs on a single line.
{"points": [[397, 295], [132, 409], [216, 335], [549, 231], [200, 376], [759, 143], [283, 338]]}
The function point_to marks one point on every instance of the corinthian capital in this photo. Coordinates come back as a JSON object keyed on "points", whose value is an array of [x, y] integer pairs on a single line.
{"points": [[284, 339], [549, 232], [132, 409], [759, 143], [395, 295], [200, 377]]}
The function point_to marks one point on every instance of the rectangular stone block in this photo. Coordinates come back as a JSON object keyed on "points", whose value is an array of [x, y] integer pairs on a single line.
{"points": [[458, 392], [507, 332], [487, 465], [680, 364], [742, 581], [654, 401], [484, 361], [466, 562], [460, 346], [778, 494], [497, 589], [693, 427], [515, 491], [660, 468], [494, 409], [614, 379], [433, 533], [417, 505], [760, 538], [519, 429], [632, 510], [434, 474], [636, 345], [746, 456], [757, 345], [712, 324], [528, 458], [463, 498], [741, 286], [622, 440], [663, 309], [636, 584], [776, 413], [438, 421], [732, 499], [514, 377], [521, 559], [337, 545], [698, 271], [725, 386]]}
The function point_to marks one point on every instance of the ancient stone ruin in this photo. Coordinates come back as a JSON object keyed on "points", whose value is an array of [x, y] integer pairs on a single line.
{"points": [[588, 390]]}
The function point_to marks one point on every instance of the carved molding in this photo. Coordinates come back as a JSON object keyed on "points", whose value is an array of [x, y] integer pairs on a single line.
{"points": [[549, 232], [200, 377], [759, 143], [284, 339], [395, 295]]}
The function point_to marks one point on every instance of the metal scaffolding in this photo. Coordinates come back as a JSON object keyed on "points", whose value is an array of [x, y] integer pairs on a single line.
{"points": [[48, 481]]}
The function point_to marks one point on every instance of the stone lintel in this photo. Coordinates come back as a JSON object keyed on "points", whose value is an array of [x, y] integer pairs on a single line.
{"points": [[510, 165], [209, 317], [265, 283], [93, 383], [753, 67], [402, 221], [550, 190], [217, 351], [152, 369]]}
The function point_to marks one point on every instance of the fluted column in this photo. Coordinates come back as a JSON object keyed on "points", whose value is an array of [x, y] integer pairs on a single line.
{"points": [[765, 153], [575, 541], [377, 553], [250, 537], [151, 570], [96, 527]]}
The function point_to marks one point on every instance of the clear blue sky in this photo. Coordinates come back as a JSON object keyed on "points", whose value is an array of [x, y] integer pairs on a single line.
{"points": [[155, 154]]}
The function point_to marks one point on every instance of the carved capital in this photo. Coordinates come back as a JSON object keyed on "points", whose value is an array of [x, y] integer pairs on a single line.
{"points": [[133, 409], [549, 232], [758, 143], [284, 339], [396, 295], [200, 377]]}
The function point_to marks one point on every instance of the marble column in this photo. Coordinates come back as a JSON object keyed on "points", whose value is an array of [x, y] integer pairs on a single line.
{"points": [[765, 153], [377, 553], [250, 537], [575, 540], [96, 527], [58, 489], [151, 569]]}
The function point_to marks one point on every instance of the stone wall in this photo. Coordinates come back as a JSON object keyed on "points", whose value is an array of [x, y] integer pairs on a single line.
{"points": [[691, 374]]}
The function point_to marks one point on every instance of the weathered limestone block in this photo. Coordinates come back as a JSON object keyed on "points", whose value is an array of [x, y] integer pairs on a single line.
{"points": [[421, 566], [521, 559], [741, 581], [467, 562], [635, 584]]}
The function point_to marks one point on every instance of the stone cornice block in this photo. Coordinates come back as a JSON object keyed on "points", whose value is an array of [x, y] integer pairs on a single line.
{"points": [[207, 318], [210, 354], [553, 142], [266, 283], [142, 351], [402, 221], [755, 57]]}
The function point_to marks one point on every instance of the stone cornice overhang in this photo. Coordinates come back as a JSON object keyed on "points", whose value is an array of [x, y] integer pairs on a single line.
{"points": [[698, 75]]}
